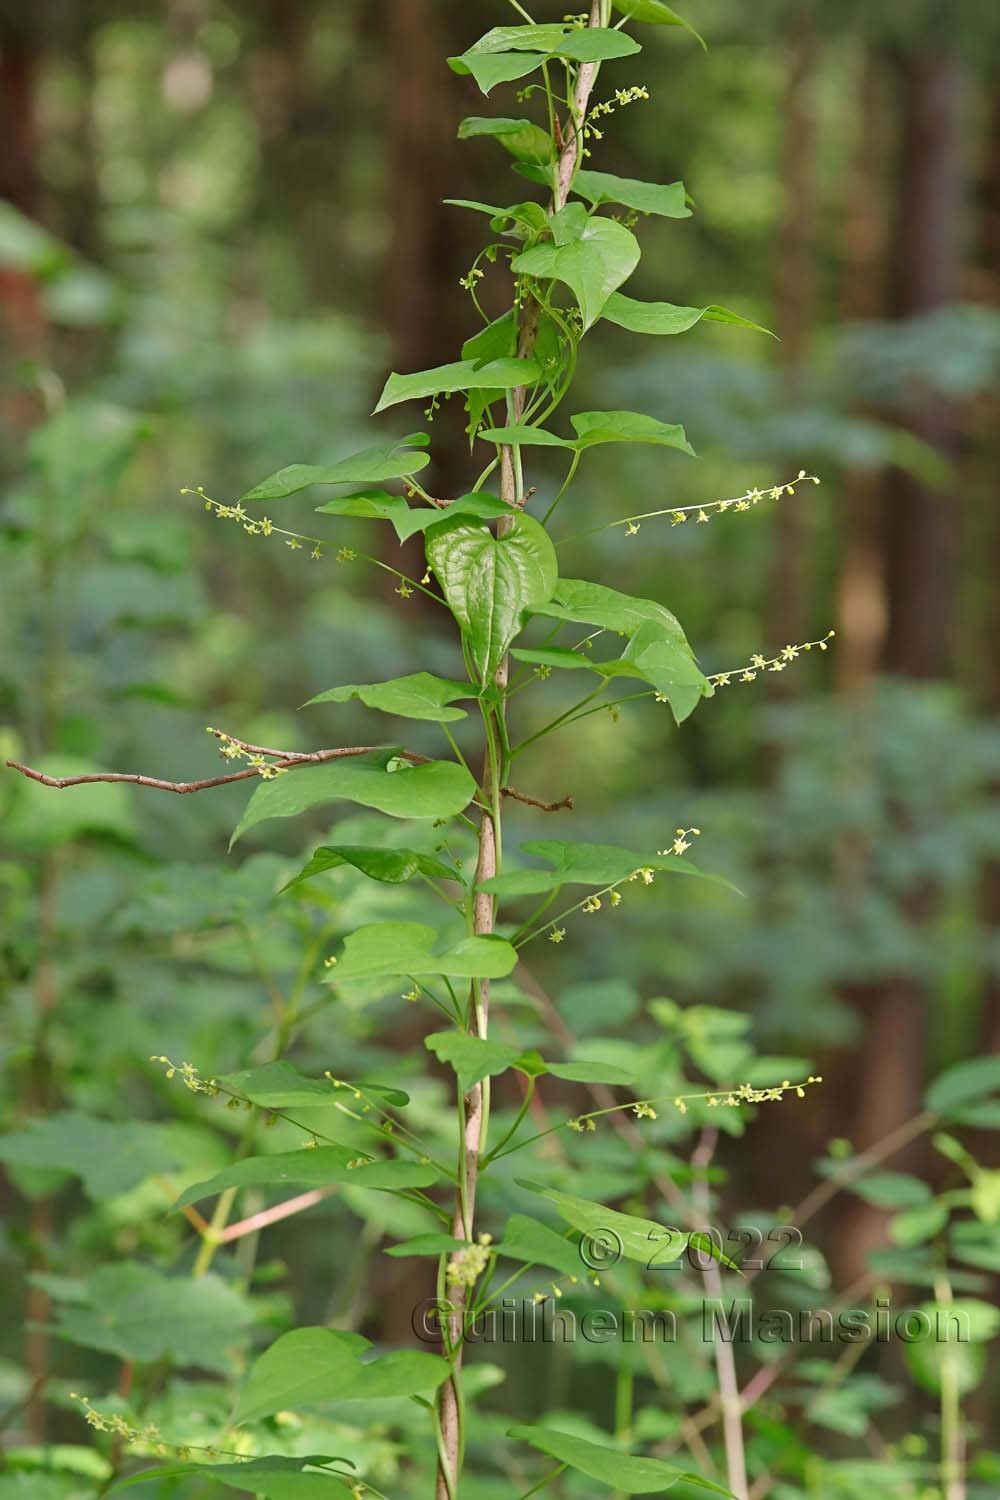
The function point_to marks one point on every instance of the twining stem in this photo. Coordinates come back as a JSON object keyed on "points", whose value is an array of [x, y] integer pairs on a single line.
{"points": [[475, 1105]]}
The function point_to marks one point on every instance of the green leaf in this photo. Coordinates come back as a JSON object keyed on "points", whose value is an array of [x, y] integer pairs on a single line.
{"points": [[437, 789], [110, 1159], [914, 1226], [406, 519], [669, 667], [427, 1244], [463, 375], [491, 68], [313, 1365], [584, 1071], [271, 1478], [390, 460], [964, 1083], [643, 1240], [666, 317], [418, 696], [668, 200], [489, 581], [407, 949], [562, 657], [392, 866], [592, 266], [321, 1166], [535, 1244], [581, 602], [593, 427], [891, 1190], [473, 1058], [279, 1085], [597, 44], [135, 1313], [609, 1465], [522, 138], [585, 864], [544, 39], [655, 13], [498, 340]]}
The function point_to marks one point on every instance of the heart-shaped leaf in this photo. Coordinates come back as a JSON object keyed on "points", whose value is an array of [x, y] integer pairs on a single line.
{"points": [[408, 949], [391, 866], [667, 200], [609, 1465], [313, 1365], [666, 317], [593, 265], [418, 696], [322, 1166], [391, 460], [464, 375], [437, 789], [489, 581], [473, 1058]]}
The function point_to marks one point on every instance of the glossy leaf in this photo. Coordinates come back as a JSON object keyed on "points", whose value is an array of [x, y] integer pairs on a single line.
{"points": [[489, 581], [320, 1166], [643, 1240], [313, 1365], [418, 696], [463, 375], [408, 949], [437, 789], [593, 427], [391, 866], [668, 200], [597, 44], [427, 1244], [473, 1058], [668, 318], [280, 1085], [585, 864], [271, 1478], [655, 13], [609, 1465], [592, 266], [587, 603], [491, 68], [391, 460], [406, 519], [535, 1244], [669, 667], [583, 1070], [522, 138]]}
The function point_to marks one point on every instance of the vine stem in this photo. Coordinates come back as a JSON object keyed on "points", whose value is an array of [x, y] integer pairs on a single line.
{"points": [[475, 1106], [725, 1362]]}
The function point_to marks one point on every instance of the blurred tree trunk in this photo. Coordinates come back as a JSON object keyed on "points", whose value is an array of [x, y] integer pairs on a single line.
{"points": [[920, 529], [987, 538], [795, 295], [21, 314], [917, 543], [861, 604]]}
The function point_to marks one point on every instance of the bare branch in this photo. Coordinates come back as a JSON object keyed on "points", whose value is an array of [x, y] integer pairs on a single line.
{"points": [[286, 760], [510, 791]]}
